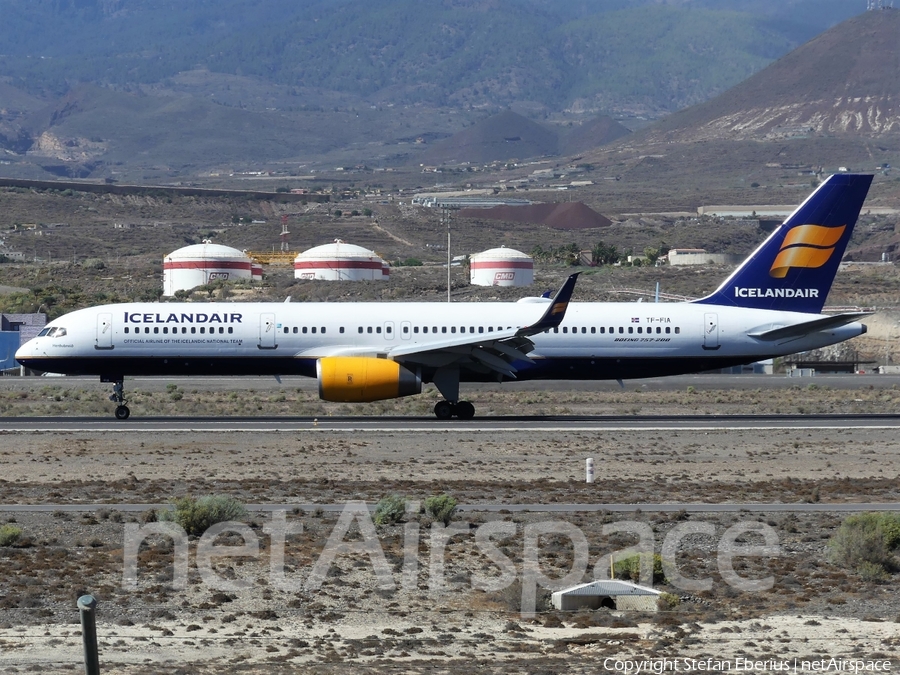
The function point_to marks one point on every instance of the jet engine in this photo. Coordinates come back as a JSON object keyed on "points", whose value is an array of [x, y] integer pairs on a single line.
{"points": [[355, 379]]}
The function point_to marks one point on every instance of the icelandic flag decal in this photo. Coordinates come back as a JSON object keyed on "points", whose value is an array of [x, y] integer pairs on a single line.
{"points": [[635, 319]]}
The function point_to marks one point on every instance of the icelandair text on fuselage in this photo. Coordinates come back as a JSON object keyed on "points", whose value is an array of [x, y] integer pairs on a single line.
{"points": [[776, 292], [199, 317], [745, 665]]}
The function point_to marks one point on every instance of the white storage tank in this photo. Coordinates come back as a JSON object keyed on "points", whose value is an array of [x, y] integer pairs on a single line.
{"points": [[339, 261], [201, 264], [501, 267], [256, 271]]}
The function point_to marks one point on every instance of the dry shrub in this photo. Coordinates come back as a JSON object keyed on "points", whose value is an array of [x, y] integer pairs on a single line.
{"points": [[866, 543], [196, 515]]}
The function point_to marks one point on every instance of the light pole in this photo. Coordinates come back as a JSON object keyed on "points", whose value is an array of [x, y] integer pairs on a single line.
{"points": [[445, 216]]}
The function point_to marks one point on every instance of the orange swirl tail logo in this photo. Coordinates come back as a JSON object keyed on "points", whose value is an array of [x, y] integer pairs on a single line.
{"points": [[806, 246]]}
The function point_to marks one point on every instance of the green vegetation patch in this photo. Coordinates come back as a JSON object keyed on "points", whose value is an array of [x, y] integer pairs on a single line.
{"points": [[867, 544], [196, 515]]}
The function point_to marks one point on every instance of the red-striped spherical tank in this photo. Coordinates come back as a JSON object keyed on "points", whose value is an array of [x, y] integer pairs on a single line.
{"points": [[339, 261], [202, 264], [501, 267]]}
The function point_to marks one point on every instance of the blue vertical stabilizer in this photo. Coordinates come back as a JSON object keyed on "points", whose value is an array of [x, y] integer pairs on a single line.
{"points": [[794, 268]]}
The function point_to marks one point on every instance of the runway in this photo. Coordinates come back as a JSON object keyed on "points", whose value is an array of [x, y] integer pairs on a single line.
{"points": [[398, 424]]}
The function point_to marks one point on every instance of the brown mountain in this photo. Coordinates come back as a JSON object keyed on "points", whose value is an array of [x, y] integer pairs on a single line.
{"points": [[560, 216], [591, 134], [501, 137], [846, 81]]}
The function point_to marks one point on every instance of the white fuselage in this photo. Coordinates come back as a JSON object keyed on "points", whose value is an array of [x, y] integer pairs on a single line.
{"points": [[595, 340]]}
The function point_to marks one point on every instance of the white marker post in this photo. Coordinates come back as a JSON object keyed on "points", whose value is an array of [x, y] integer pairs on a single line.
{"points": [[589, 470]]}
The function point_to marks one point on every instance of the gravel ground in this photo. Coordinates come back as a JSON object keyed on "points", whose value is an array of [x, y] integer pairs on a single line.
{"points": [[453, 610]]}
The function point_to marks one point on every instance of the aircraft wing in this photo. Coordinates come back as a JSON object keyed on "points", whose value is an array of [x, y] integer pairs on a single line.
{"points": [[798, 330], [492, 351], [482, 352]]}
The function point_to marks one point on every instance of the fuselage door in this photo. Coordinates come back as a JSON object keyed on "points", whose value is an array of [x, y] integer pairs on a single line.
{"points": [[711, 331], [388, 330], [267, 330], [405, 330], [104, 331]]}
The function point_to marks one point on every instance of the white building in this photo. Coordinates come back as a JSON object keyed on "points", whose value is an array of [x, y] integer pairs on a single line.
{"points": [[699, 256], [501, 267], [201, 264], [340, 262]]}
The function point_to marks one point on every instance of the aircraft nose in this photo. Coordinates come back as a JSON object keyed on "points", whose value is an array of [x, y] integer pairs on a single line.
{"points": [[24, 351]]}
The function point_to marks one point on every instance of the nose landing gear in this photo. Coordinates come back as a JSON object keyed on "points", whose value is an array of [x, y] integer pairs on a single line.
{"points": [[118, 397]]}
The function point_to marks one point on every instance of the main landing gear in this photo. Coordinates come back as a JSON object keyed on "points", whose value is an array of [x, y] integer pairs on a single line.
{"points": [[444, 410], [118, 396]]}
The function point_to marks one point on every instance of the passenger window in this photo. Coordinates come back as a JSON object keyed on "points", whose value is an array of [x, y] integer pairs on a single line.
{"points": [[360, 329], [156, 330], [584, 330], [490, 329], [415, 329], [621, 330], [658, 330], [602, 329], [677, 330], [369, 329], [193, 330], [593, 329], [556, 329], [295, 330], [388, 329], [146, 330], [668, 330], [630, 329], [443, 329], [424, 329], [286, 330], [44, 332], [203, 329], [640, 330], [304, 330], [378, 329], [221, 329], [230, 329], [313, 329], [341, 330], [166, 330], [480, 329], [405, 330], [565, 329], [452, 329], [323, 330]]}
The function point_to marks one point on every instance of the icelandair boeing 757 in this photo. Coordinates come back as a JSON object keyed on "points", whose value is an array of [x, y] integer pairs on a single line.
{"points": [[770, 306]]}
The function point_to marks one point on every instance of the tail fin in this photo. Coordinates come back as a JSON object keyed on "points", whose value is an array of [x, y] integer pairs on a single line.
{"points": [[794, 268]]}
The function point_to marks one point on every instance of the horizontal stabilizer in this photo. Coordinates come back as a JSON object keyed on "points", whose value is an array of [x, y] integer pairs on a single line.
{"points": [[807, 327]]}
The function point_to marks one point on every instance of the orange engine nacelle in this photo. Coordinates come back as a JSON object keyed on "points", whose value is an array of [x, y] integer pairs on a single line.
{"points": [[357, 379]]}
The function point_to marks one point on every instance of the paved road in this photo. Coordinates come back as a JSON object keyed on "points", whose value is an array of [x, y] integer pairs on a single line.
{"points": [[560, 423], [693, 507], [676, 383]]}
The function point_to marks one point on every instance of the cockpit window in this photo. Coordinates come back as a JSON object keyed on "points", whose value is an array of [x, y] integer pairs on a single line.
{"points": [[55, 331], [44, 332]]}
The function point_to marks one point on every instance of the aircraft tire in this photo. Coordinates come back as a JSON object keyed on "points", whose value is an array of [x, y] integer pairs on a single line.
{"points": [[465, 410], [444, 410], [122, 412]]}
